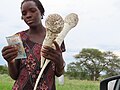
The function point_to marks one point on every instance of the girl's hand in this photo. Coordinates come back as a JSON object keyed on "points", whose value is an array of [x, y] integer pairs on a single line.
{"points": [[9, 53], [54, 55]]}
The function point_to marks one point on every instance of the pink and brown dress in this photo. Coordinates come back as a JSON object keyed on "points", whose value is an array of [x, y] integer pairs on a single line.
{"points": [[30, 68]]}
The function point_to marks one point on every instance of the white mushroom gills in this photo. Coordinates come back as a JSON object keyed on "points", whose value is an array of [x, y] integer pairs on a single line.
{"points": [[54, 25]]}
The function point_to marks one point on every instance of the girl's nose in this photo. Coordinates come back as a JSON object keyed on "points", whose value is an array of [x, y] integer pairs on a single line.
{"points": [[28, 15]]}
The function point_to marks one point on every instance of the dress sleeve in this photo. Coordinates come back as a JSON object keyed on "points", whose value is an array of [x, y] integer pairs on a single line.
{"points": [[63, 47]]}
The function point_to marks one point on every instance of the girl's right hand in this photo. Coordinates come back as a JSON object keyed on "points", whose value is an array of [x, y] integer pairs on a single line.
{"points": [[9, 53]]}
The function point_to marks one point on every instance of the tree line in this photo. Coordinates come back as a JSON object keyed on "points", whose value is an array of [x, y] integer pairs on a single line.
{"points": [[90, 64], [93, 64], [3, 69]]}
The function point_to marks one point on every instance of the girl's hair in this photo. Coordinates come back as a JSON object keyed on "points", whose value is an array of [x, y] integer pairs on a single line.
{"points": [[38, 4]]}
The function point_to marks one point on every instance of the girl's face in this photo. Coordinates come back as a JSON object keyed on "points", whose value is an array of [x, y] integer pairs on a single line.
{"points": [[31, 14]]}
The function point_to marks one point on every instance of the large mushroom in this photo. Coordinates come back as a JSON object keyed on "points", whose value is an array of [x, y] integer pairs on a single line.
{"points": [[54, 25]]}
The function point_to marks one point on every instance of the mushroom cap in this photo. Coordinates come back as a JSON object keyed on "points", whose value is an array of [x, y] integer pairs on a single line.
{"points": [[54, 23], [71, 19]]}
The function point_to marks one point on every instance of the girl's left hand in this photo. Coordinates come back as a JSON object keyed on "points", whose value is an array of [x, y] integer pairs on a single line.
{"points": [[54, 55]]}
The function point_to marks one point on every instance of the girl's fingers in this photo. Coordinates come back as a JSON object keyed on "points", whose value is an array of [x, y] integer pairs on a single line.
{"points": [[10, 50], [11, 58], [6, 47], [7, 56], [52, 54], [57, 46]]}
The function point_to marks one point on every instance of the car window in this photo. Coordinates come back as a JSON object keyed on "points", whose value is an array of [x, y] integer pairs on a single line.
{"points": [[117, 85], [111, 84]]}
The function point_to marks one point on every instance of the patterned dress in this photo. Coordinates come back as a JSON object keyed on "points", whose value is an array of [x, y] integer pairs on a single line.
{"points": [[30, 68]]}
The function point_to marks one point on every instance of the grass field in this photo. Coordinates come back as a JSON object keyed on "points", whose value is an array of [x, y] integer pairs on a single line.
{"points": [[6, 84]]}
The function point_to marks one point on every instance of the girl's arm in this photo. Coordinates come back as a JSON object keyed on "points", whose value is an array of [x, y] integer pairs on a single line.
{"points": [[9, 53]]}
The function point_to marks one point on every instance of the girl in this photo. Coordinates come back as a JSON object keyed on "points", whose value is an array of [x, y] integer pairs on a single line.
{"points": [[25, 71]]}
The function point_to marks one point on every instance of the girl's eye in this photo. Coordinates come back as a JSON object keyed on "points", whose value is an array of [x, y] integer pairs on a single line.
{"points": [[33, 10], [23, 13]]}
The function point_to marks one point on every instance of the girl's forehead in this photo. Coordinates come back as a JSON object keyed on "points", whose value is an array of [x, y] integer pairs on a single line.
{"points": [[28, 4]]}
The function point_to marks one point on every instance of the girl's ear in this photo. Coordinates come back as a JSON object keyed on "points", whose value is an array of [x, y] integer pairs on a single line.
{"points": [[22, 17], [41, 17]]}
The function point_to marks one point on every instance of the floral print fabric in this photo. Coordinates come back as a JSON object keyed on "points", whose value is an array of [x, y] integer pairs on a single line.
{"points": [[30, 68]]}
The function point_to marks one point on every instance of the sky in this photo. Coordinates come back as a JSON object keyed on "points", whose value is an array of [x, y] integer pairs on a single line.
{"points": [[98, 25]]}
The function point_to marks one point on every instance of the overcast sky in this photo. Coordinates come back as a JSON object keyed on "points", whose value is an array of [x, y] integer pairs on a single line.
{"points": [[98, 26]]}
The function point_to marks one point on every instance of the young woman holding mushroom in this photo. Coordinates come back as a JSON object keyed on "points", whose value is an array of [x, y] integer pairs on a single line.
{"points": [[25, 71]]}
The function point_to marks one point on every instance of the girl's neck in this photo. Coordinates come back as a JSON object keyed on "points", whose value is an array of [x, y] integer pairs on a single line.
{"points": [[37, 34], [36, 30]]}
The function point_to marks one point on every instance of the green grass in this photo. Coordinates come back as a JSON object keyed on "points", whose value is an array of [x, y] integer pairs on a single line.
{"points": [[6, 84], [78, 85]]}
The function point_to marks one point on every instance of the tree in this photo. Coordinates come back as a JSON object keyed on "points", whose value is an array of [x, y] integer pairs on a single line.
{"points": [[91, 62], [113, 64], [3, 69], [75, 71]]}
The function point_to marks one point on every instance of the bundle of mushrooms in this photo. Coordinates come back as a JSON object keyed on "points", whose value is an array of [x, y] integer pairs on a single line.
{"points": [[54, 25], [57, 29]]}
